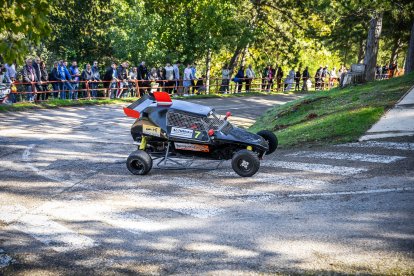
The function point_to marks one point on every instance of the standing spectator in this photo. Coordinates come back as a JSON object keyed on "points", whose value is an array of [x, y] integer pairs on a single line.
{"points": [[55, 79], [384, 72], [264, 77], [305, 78], [193, 77], [169, 76], [270, 78], [30, 78], [122, 78], [187, 79], [152, 79], [133, 77], [44, 79], [142, 76], [10, 73], [279, 77], [111, 80], [289, 80], [318, 76], [377, 72], [177, 77], [297, 80], [239, 78], [87, 76], [333, 78], [324, 75], [75, 74], [161, 78], [96, 77], [68, 80], [250, 75], [225, 82], [38, 71]]}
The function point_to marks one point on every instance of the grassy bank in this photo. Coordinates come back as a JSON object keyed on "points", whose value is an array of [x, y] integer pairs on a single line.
{"points": [[335, 116], [64, 103]]}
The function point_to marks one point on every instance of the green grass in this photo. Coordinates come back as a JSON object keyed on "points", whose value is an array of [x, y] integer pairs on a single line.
{"points": [[64, 103], [335, 116]]}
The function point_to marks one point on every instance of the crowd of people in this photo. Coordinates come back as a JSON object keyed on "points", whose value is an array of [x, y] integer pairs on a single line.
{"points": [[71, 82]]}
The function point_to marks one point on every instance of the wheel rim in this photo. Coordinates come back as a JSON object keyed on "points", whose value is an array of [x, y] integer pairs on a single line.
{"points": [[245, 165], [137, 165]]}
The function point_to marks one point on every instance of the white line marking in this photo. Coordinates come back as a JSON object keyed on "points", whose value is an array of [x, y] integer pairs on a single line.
{"points": [[318, 168], [373, 191], [385, 145], [349, 156], [51, 233]]}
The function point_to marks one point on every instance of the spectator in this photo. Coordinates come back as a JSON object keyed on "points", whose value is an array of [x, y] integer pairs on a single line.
{"points": [[169, 76], [96, 77], [305, 78], [264, 77], [30, 79], [87, 76], [297, 80], [377, 72], [44, 80], [153, 78], [177, 77], [193, 77], [239, 78], [318, 76], [279, 77], [161, 77], [187, 79], [36, 66], [142, 77], [384, 72], [324, 75], [74, 73], [225, 82], [122, 78], [66, 85], [200, 85], [133, 77], [111, 79], [289, 80], [250, 75], [271, 72], [55, 78], [332, 77], [10, 74]]}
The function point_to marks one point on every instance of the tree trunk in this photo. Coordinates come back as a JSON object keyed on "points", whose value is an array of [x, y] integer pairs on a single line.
{"points": [[361, 52], [371, 53], [208, 69], [234, 59], [409, 63], [244, 54], [394, 52]]}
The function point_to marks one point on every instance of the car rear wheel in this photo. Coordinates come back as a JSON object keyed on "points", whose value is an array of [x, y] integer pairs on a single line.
{"points": [[139, 162], [245, 163], [271, 139]]}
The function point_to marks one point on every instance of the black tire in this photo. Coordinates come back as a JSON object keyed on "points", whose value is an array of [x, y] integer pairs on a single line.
{"points": [[271, 139], [139, 162], [245, 163]]}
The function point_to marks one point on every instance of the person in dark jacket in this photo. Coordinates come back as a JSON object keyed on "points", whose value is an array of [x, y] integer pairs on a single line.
{"points": [[30, 79], [96, 78], [142, 78], [279, 76], [298, 75], [318, 76], [44, 79], [239, 78], [111, 80], [305, 77], [55, 79], [87, 77]]}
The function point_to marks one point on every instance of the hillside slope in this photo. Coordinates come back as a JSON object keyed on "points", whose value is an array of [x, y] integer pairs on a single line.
{"points": [[335, 116]]}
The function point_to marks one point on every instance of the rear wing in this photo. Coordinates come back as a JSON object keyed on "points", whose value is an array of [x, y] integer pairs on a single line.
{"points": [[135, 109]]}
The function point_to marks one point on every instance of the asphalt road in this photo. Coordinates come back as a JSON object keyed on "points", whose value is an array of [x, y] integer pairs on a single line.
{"points": [[68, 205]]}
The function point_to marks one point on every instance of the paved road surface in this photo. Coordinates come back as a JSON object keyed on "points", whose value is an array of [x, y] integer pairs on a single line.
{"points": [[68, 204]]}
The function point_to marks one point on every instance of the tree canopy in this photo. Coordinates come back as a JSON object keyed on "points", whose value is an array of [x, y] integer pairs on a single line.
{"points": [[287, 33]]}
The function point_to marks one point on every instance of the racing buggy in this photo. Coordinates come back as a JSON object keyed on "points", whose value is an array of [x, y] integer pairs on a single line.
{"points": [[174, 134]]}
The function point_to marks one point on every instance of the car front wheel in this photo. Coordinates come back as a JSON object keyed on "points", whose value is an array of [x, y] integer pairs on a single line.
{"points": [[139, 162], [245, 163]]}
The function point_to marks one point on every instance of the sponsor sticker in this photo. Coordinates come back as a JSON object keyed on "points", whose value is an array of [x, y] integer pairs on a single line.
{"points": [[151, 130], [192, 147], [181, 132]]}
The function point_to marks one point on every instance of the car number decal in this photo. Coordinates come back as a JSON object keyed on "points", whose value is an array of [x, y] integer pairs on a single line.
{"points": [[181, 132], [151, 130], [192, 147]]}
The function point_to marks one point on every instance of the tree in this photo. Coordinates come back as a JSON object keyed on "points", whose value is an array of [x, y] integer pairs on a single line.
{"points": [[23, 24], [409, 65], [371, 53]]}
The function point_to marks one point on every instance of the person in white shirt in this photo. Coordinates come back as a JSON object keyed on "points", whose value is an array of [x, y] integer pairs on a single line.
{"points": [[332, 77], [177, 77], [187, 79], [169, 76], [289, 80], [249, 77], [225, 79]]}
